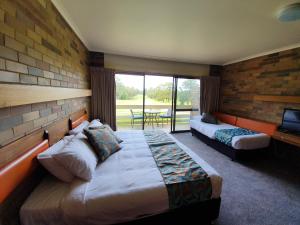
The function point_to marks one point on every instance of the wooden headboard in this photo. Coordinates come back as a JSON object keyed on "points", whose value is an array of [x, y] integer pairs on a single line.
{"points": [[19, 173], [19, 169], [76, 119], [16, 171]]}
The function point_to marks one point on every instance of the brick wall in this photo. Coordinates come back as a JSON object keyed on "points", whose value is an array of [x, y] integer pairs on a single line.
{"points": [[275, 74], [37, 47]]}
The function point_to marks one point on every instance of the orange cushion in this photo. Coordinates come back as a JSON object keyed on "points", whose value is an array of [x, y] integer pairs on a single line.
{"points": [[258, 126], [226, 118]]}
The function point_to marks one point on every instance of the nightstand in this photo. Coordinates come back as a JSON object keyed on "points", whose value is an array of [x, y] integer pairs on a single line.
{"points": [[287, 138]]}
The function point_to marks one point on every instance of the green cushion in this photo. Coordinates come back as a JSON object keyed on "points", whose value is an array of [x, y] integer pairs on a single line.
{"points": [[103, 141], [106, 126]]}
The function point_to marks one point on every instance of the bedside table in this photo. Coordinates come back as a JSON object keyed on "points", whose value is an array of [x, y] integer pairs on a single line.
{"points": [[291, 139]]}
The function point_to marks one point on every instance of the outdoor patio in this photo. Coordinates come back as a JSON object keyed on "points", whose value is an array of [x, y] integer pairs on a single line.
{"points": [[155, 118]]}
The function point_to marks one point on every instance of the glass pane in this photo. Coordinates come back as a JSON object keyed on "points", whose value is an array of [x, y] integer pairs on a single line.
{"points": [[188, 94], [129, 100], [188, 98], [182, 120], [158, 102]]}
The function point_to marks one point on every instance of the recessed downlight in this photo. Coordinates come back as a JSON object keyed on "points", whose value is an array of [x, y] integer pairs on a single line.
{"points": [[290, 13]]}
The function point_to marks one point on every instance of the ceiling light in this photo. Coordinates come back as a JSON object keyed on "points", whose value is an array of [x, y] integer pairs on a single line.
{"points": [[289, 13]]}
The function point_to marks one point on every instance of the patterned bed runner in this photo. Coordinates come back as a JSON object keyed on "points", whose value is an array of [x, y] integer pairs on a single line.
{"points": [[225, 135], [186, 181]]}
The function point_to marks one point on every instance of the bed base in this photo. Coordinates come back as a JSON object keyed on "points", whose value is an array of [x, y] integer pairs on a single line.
{"points": [[202, 213], [234, 154]]}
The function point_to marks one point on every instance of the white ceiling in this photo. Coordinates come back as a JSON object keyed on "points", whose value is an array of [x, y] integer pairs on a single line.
{"points": [[199, 31]]}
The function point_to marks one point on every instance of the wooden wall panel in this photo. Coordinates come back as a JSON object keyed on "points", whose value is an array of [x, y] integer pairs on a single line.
{"points": [[77, 114], [58, 130], [14, 150], [262, 87], [277, 99], [14, 95]]}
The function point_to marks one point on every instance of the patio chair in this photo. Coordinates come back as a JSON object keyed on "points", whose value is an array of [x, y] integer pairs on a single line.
{"points": [[167, 115], [135, 116]]}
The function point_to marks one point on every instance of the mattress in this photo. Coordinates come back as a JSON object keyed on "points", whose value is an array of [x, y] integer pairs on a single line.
{"points": [[245, 142], [127, 186], [44, 203]]}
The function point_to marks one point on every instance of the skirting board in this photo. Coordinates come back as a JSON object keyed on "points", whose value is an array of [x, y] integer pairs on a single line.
{"points": [[15, 94]]}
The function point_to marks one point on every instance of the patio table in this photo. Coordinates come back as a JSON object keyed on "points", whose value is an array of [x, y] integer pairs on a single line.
{"points": [[152, 116]]}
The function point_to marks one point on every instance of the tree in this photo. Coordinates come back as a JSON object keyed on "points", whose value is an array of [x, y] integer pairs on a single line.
{"points": [[162, 93], [188, 90], [124, 92], [190, 84]]}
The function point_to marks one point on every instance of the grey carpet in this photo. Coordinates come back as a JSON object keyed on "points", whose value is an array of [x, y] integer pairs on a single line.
{"points": [[258, 192]]}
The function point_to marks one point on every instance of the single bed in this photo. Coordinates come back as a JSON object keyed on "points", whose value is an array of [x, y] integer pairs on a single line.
{"points": [[127, 186], [240, 144], [245, 142]]}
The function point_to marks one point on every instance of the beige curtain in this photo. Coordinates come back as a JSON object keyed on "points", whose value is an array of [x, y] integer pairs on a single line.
{"points": [[209, 94], [103, 95]]}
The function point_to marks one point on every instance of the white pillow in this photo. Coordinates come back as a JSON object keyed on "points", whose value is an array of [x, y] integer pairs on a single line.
{"points": [[81, 135], [53, 166], [79, 128], [78, 158], [68, 138], [95, 123], [196, 117]]}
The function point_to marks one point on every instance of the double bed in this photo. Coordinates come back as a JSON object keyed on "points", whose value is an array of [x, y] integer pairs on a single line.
{"points": [[128, 186]]}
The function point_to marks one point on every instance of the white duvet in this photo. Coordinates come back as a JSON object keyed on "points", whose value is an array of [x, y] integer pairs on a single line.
{"points": [[128, 185], [245, 142]]}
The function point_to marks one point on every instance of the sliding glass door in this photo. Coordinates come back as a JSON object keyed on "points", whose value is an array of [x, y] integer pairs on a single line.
{"points": [[186, 102], [129, 101], [156, 102]]}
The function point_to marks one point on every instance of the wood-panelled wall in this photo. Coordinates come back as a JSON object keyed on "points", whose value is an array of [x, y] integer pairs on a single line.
{"points": [[37, 47], [262, 87]]}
